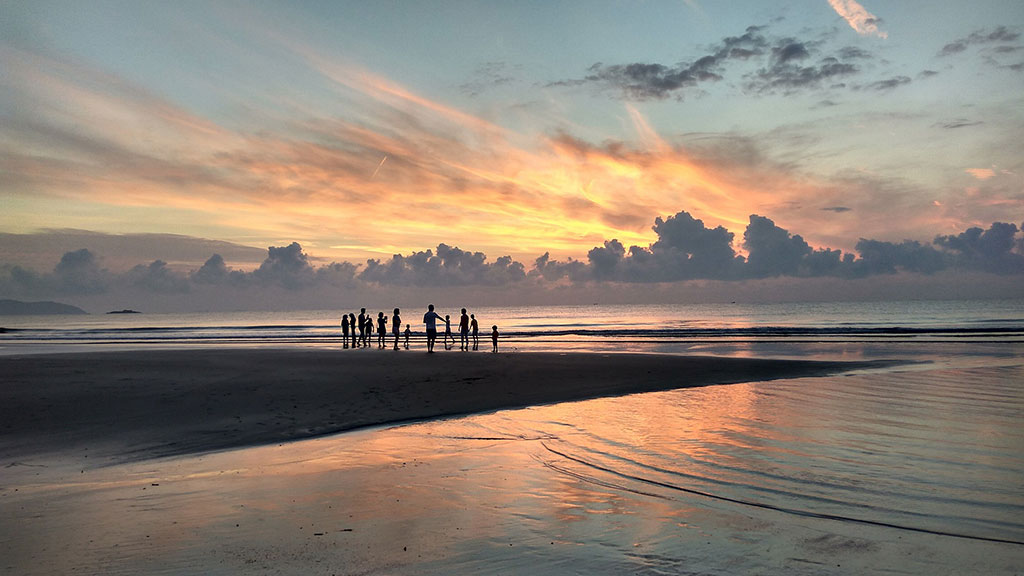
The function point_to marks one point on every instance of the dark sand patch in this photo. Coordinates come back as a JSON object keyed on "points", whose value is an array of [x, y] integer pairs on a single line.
{"points": [[141, 404]]}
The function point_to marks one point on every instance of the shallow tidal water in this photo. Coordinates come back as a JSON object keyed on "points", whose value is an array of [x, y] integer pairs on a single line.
{"points": [[911, 470]]}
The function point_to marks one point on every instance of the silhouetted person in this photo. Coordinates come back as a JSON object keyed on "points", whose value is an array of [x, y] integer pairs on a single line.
{"points": [[396, 326], [368, 335], [494, 339], [430, 319], [352, 327], [474, 327], [382, 330], [407, 333], [362, 326], [464, 331], [448, 331], [344, 329]]}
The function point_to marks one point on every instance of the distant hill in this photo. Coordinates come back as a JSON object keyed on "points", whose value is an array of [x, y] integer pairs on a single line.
{"points": [[18, 308]]}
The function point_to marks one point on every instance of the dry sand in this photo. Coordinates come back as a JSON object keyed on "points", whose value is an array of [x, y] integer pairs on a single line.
{"points": [[123, 406]]}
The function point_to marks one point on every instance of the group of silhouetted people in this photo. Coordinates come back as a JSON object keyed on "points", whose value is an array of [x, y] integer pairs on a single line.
{"points": [[358, 330]]}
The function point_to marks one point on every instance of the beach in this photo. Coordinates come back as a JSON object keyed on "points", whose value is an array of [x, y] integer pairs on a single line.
{"points": [[128, 405], [328, 461]]}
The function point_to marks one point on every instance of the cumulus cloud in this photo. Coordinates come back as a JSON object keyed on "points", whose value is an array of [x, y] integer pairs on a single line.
{"points": [[287, 266], [989, 250], [449, 266], [685, 250], [157, 277], [78, 272], [864, 22], [877, 257]]}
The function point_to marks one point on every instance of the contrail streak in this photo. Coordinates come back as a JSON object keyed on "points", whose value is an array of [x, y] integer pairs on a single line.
{"points": [[864, 22], [378, 167]]}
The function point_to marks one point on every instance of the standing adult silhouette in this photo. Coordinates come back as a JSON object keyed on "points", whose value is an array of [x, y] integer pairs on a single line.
{"points": [[382, 330], [430, 319], [447, 332], [344, 329], [362, 326], [352, 327], [464, 331], [474, 327], [396, 326]]}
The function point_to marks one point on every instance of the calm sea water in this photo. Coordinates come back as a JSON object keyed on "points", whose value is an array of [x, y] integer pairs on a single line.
{"points": [[912, 469], [722, 328]]}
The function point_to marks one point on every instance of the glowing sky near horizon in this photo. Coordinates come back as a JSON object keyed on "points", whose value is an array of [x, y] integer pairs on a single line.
{"points": [[366, 129]]}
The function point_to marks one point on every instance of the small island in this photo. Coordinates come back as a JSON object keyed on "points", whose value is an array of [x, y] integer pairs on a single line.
{"points": [[125, 311]]}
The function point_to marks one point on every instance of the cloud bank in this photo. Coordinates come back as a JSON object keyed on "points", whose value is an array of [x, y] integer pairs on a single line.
{"points": [[685, 250]]}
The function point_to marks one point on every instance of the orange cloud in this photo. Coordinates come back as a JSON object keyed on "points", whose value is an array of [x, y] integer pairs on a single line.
{"points": [[981, 173], [98, 145], [864, 22]]}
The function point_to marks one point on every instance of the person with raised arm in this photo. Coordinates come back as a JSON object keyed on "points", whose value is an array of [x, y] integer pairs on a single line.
{"points": [[430, 319], [382, 330]]}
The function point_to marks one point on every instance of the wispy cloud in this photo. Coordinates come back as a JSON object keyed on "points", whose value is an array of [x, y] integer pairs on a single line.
{"points": [[864, 22], [389, 170]]}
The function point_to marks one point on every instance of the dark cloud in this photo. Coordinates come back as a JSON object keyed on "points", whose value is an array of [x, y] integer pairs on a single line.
{"points": [[685, 250], [953, 48], [877, 257], [989, 250], [772, 251], [982, 37], [836, 209], [787, 77], [652, 81], [450, 266], [215, 271], [889, 84], [553, 270], [958, 123], [785, 65]]}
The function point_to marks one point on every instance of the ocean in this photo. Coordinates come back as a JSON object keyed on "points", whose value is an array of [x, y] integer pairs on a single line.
{"points": [[731, 329], [916, 468]]}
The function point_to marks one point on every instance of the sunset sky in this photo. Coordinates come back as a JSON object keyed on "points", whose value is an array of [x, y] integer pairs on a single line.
{"points": [[366, 129]]}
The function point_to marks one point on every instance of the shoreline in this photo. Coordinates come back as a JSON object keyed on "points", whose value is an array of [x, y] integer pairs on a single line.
{"points": [[118, 406]]}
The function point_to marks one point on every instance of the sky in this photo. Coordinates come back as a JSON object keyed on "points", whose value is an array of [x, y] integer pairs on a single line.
{"points": [[197, 147]]}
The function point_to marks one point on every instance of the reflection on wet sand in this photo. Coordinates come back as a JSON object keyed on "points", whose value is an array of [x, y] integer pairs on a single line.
{"points": [[580, 487]]}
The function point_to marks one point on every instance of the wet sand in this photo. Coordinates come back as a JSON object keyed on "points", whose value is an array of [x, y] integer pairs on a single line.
{"points": [[132, 405]]}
